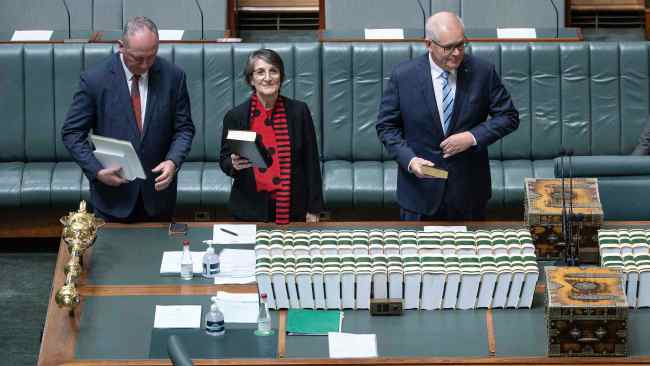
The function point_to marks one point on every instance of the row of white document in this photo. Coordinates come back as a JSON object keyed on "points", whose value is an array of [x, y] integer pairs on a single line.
{"points": [[628, 250], [418, 290]]}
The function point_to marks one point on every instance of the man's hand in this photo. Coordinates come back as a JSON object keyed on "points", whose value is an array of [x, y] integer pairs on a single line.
{"points": [[311, 217], [239, 163], [111, 177], [416, 167], [456, 144], [167, 170]]}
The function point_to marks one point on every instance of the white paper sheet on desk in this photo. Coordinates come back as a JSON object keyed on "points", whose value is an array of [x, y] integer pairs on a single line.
{"points": [[445, 228], [383, 33], [237, 266], [346, 345], [31, 35], [170, 34], [171, 262], [177, 316], [516, 33], [245, 234], [238, 308]]}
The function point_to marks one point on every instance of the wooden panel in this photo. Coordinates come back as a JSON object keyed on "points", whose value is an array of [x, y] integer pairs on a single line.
{"points": [[607, 4], [278, 3]]}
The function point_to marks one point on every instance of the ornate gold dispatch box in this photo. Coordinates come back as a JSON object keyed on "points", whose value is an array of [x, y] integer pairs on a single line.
{"points": [[543, 211], [586, 312]]}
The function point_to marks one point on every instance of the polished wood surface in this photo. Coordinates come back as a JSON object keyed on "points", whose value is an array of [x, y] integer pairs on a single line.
{"points": [[61, 328], [489, 323]]}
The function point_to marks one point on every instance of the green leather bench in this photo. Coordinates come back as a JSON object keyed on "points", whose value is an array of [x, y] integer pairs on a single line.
{"points": [[592, 97]]}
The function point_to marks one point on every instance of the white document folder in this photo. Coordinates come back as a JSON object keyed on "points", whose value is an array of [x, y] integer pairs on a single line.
{"points": [[118, 153]]}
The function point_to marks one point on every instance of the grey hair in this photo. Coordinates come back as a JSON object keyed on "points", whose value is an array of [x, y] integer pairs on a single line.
{"points": [[267, 55], [137, 24], [431, 31]]}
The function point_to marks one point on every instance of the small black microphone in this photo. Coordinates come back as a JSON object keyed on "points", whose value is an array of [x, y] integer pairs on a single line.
{"points": [[67, 10], [424, 20], [557, 20], [201, 13]]}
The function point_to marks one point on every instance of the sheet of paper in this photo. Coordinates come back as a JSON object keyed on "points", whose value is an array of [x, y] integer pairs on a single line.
{"points": [[346, 345], [171, 262], [383, 33], [238, 308], [234, 233], [177, 316], [445, 228], [31, 35], [516, 33], [237, 266], [170, 34]]}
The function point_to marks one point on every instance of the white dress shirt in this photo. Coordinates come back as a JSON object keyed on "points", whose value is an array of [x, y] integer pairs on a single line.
{"points": [[438, 82], [144, 87]]}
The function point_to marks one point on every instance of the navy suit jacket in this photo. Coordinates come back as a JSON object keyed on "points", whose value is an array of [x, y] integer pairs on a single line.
{"points": [[103, 105], [409, 126]]}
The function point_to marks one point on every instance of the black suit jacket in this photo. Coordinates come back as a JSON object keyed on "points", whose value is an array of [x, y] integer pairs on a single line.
{"points": [[409, 126], [246, 202], [643, 148], [103, 104]]}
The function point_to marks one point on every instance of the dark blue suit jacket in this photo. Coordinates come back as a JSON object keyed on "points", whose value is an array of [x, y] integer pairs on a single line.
{"points": [[409, 126], [103, 104]]}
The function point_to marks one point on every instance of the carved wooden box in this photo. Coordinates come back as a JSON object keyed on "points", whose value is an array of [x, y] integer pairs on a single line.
{"points": [[586, 312], [543, 211]]}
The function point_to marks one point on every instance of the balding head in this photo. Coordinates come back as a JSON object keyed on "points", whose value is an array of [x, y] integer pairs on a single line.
{"points": [[443, 25]]}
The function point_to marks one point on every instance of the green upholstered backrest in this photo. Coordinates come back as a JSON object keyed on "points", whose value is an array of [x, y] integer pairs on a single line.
{"points": [[591, 97]]}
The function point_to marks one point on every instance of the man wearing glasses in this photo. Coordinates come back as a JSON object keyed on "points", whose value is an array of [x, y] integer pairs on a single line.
{"points": [[434, 113]]}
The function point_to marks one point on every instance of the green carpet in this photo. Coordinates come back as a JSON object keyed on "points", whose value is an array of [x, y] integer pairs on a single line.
{"points": [[26, 268]]}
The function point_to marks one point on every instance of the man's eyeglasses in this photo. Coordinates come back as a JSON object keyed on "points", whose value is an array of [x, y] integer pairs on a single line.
{"points": [[448, 49]]}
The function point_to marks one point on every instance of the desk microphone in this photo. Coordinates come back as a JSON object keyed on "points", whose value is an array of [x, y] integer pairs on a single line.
{"points": [[201, 13], [67, 10], [424, 20], [557, 19]]}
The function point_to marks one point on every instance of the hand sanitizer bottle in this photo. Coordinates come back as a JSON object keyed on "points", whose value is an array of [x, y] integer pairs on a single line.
{"points": [[214, 323], [210, 261], [186, 262], [264, 319]]}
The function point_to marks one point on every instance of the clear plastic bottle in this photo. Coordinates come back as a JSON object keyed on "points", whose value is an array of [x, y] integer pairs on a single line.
{"points": [[211, 265], [186, 262], [214, 323], [264, 318]]}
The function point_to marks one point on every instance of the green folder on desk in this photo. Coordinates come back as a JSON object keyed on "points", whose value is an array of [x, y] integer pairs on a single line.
{"points": [[313, 322]]}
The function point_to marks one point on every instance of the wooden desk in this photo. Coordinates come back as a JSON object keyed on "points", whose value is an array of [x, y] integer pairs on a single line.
{"points": [[106, 281]]}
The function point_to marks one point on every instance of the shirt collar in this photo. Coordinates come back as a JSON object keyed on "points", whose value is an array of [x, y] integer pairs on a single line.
{"points": [[436, 70], [128, 72]]}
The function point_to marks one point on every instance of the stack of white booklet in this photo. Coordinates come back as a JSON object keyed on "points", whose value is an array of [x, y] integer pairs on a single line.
{"points": [[114, 153], [427, 270], [628, 250]]}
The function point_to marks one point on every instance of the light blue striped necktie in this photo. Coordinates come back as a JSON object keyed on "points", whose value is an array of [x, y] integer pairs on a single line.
{"points": [[447, 101]]}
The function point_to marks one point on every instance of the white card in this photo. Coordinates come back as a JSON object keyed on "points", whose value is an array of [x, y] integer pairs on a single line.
{"points": [[346, 345], [170, 34], [171, 262], [234, 234], [237, 266], [445, 228], [31, 35], [177, 316], [383, 33], [516, 33], [238, 308]]}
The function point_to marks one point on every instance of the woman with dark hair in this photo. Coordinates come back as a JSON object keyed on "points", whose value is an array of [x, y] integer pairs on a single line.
{"points": [[290, 189]]}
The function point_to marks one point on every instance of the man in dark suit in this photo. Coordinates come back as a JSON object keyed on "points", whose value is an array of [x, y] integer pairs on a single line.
{"points": [[643, 148], [136, 96], [434, 113]]}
